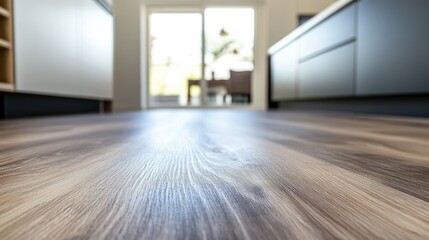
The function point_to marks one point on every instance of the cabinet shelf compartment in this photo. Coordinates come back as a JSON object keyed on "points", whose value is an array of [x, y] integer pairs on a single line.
{"points": [[6, 4], [4, 13]]}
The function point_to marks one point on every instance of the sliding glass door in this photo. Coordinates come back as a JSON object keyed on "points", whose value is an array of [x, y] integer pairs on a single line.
{"points": [[229, 50], [201, 58], [175, 59]]}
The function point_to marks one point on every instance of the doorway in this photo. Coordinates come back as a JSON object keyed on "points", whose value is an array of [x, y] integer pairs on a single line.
{"points": [[202, 58]]}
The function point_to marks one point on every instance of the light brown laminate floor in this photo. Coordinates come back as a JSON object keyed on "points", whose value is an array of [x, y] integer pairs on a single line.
{"points": [[214, 175]]}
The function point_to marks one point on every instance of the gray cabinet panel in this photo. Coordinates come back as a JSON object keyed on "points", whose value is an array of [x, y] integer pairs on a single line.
{"points": [[328, 75], [336, 29], [393, 52], [284, 73]]}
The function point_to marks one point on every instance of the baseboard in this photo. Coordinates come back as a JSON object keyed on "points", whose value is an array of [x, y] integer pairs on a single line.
{"points": [[19, 105], [410, 105], [118, 108]]}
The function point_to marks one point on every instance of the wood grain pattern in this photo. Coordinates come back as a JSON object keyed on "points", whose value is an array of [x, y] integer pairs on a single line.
{"points": [[214, 175]]}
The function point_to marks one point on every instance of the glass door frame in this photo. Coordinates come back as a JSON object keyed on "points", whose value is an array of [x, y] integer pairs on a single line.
{"points": [[155, 8]]}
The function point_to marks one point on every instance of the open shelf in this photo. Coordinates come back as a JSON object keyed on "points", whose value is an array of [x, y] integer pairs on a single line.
{"points": [[6, 47], [6, 86], [6, 66], [6, 4], [4, 12], [4, 44]]}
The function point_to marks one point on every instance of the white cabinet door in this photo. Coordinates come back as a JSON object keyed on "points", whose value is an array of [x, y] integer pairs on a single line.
{"points": [[96, 48], [63, 48]]}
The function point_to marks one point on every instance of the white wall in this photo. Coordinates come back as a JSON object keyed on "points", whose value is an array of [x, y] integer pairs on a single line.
{"points": [[128, 41], [275, 19], [313, 6], [64, 48]]}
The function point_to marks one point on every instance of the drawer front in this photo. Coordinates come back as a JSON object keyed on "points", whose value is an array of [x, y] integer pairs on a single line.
{"points": [[284, 70], [329, 75], [335, 30]]}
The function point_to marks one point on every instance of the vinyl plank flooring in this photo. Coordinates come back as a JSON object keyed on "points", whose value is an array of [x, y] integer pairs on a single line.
{"points": [[214, 175]]}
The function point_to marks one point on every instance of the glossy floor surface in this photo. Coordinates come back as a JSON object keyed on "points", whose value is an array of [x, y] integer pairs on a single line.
{"points": [[215, 175]]}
